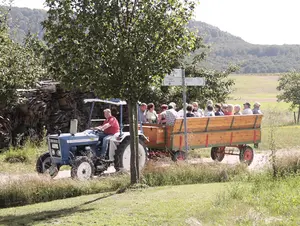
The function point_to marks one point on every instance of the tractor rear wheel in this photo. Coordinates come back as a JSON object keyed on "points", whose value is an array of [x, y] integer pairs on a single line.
{"points": [[82, 168], [123, 155], [217, 154], [246, 155], [44, 164]]}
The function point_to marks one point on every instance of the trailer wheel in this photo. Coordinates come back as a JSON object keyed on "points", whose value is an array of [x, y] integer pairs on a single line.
{"points": [[179, 156], [217, 154], [44, 164], [82, 168], [246, 155], [122, 156]]}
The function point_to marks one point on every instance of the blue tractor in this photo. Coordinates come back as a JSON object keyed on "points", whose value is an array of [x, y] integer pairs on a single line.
{"points": [[78, 150]]}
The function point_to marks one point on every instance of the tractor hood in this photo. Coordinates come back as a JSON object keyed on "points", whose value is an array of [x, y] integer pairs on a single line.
{"points": [[82, 137]]}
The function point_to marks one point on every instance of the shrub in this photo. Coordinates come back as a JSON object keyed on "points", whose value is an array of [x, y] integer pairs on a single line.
{"points": [[26, 154], [14, 156], [286, 165]]}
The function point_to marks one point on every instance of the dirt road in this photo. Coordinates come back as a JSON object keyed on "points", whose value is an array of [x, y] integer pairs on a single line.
{"points": [[260, 161]]}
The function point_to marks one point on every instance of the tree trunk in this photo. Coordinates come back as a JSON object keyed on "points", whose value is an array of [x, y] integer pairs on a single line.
{"points": [[298, 114], [134, 142]]}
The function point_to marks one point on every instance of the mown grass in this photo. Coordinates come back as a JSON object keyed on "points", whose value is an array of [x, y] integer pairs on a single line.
{"points": [[261, 200], [255, 88]]}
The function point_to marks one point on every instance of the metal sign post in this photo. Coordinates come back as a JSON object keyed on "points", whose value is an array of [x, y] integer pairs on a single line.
{"points": [[177, 78], [184, 109]]}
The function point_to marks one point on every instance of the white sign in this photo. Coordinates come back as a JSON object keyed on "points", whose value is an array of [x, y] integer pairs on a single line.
{"points": [[176, 73], [177, 81], [196, 81], [172, 81]]}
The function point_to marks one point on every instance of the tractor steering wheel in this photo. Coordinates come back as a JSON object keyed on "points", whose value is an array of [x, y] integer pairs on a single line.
{"points": [[96, 130]]}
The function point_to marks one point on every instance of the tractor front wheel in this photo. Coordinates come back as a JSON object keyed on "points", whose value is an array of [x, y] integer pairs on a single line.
{"points": [[44, 164], [82, 168]]}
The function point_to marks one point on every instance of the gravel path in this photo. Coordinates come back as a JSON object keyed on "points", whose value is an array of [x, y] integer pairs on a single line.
{"points": [[260, 161]]}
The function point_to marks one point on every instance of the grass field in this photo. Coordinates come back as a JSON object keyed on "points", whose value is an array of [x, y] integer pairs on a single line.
{"points": [[249, 203], [261, 88]]}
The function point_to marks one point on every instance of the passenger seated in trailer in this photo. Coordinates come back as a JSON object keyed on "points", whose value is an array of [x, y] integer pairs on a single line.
{"points": [[224, 108], [209, 102], [189, 109], [209, 111], [256, 109], [180, 113], [218, 111], [109, 127], [162, 115], [196, 110], [237, 110], [229, 110], [247, 109], [171, 114], [151, 115]]}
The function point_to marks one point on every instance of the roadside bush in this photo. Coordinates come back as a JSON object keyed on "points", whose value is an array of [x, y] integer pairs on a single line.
{"points": [[185, 173], [286, 164], [31, 190], [26, 154], [16, 156]]}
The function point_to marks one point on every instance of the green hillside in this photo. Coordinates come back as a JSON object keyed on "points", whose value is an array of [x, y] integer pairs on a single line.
{"points": [[228, 49], [225, 48]]}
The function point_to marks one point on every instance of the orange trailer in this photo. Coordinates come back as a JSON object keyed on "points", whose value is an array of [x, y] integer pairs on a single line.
{"points": [[216, 132]]}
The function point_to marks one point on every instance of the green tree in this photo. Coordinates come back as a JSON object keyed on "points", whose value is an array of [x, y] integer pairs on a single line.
{"points": [[117, 48], [218, 86], [289, 86], [19, 65]]}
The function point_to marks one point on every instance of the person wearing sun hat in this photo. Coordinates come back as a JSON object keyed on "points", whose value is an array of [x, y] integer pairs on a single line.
{"points": [[247, 109], [256, 110]]}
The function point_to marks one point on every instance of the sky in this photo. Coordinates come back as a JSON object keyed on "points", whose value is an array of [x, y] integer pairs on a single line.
{"points": [[255, 21]]}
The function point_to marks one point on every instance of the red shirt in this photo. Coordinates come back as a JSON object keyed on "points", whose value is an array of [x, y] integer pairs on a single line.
{"points": [[114, 125], [228, 113]]}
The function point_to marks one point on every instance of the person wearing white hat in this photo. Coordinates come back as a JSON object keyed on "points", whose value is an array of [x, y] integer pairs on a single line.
{"points": [[256, 110]]}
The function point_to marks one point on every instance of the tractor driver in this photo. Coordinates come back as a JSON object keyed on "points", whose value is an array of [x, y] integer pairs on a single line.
{"points": [[109, 127]]}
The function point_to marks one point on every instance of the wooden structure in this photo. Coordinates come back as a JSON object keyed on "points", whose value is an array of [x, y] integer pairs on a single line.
{"points": [[215, 132]]}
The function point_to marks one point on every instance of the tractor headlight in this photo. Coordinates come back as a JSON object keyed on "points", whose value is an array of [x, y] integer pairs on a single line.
{"points": [[54, 146], [58, 153], [52, 152]]}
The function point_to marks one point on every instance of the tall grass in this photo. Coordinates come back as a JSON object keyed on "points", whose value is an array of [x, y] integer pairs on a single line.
{"points": [[28, 190], [178, 174]]}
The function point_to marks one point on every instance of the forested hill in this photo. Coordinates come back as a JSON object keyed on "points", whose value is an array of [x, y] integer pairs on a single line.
{"points": [[225, 48]]}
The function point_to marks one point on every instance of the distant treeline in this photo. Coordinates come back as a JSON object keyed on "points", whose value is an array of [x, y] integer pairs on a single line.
{"points": [[225, 48]]}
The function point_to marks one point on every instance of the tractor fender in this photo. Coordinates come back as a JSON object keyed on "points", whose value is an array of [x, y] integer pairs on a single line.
{"points": [[119, 139], [143, 137]]}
